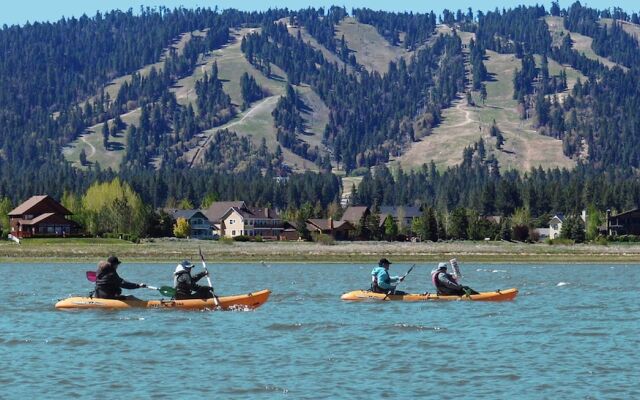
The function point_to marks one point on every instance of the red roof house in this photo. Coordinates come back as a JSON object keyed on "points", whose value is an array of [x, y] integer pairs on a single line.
{"points": [[41, 216]]}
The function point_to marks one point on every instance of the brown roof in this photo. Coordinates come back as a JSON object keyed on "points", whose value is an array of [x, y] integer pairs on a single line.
{"points": [[253, 213], [353, 214], [216, 210], [267, 213], [324, 224], [49, 217], [36, 200]]}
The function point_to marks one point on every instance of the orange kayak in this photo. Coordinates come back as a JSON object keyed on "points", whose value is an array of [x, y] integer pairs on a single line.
{"points": [[239, 302], [498, 295]]}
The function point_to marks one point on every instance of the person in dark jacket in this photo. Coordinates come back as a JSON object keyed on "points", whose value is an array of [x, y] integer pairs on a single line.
{"points": [[109, 285], [186, 285], [446, 284]]}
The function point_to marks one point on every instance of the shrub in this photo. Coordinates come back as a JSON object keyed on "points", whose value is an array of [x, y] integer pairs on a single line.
{"points": [[258, 239], [561, 241], [226, 240], [601, 240], [242, 238], [326, 240]]}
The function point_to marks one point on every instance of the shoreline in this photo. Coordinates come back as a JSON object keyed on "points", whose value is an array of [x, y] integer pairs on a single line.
{"points": [[169, 250]]}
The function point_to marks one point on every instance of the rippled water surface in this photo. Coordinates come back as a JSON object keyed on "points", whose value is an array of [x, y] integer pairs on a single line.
{"points": [[572, 332]]}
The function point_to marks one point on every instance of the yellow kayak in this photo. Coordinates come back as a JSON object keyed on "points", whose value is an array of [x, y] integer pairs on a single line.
{"points": [[242, 301], [498, 295]]}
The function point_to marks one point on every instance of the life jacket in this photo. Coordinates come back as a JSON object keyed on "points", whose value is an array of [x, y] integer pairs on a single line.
{"points": [[434, 279]]}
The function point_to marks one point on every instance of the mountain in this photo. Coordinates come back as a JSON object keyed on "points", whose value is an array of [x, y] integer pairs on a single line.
{"points": [[187, 93]]}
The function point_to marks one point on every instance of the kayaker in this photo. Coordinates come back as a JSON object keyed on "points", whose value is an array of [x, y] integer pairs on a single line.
{"points": [[185, 284], [446, 284], [109, 285], [381, 282]]}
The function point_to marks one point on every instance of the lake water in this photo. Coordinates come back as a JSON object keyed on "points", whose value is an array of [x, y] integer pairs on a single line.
{"points": [[572, 332]]}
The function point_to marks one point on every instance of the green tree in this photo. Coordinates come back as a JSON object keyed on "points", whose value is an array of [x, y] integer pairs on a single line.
{"points": [[110, 206], [521, 224], [373, 223], [417, 227], [505, 230], [105, 135], [182, 229], [594, 220], [301, 227], [483, 93], [185, 204], [390, 229], [459, 224], [5, 207], [208, 199]]}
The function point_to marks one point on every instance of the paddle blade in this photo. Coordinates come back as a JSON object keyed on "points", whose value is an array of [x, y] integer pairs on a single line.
{"points": [[91, 276], [167, 291]]}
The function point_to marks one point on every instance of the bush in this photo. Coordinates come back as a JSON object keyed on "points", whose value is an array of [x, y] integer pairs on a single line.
{"points": [[326, 240], [561, 241], [258, 239], [242, 238], [226, 240], [601, 240]]}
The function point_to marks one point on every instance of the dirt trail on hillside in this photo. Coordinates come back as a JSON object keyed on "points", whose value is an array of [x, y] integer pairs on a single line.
{"points": [[199, 153]]}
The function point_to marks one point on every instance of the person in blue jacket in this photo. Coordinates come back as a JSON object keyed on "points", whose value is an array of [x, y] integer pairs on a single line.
{"points": [[381, 282]]}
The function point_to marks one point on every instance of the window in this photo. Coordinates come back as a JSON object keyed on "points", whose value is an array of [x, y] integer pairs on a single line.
{"points": [[232, 221], [233, 233]]}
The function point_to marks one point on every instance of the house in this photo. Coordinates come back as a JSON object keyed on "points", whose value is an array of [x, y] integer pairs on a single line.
{"points": [[247, 221], [216, 210], [543, 233], [199, 223], [403, 215], [289, 232], [555, 226], [339, 230], [42, 216], [354, 214], [626, 223]]}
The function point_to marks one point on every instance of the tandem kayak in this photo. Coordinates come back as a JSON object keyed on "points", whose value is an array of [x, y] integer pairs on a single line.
{"points": [[498, 295], [239, 302]]}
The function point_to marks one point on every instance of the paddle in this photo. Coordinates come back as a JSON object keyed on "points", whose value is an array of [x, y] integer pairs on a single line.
{"points": [[204, 266], [401, 279], [164, 290]]}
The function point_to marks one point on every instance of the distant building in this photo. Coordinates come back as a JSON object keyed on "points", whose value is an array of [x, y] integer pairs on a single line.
{"points": [[555, 226], [543, 233], [42, 216], [246, 221], [403, 215], [199, 223], [626, 223], [354, 214], [339, 230], [216, 211]]}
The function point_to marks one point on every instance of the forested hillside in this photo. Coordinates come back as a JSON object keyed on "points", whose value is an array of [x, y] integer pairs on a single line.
{"points": [[180, 103]]}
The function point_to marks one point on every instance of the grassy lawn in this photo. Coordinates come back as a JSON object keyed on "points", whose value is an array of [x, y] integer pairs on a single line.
{"points": [[93, 250]]}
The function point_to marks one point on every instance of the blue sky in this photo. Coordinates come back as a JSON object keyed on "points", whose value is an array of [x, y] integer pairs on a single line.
{"points": [[18, 12]]}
